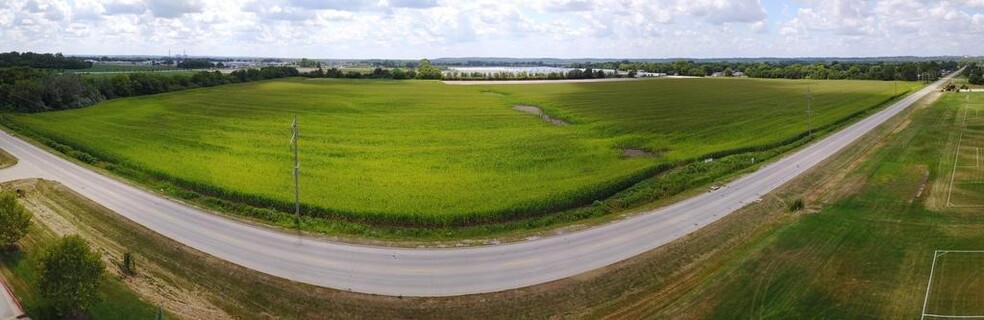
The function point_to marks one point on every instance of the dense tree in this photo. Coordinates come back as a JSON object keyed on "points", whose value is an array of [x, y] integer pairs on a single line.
{"points": [[14, 220], [70, 273], [36, 90], [398, 74], [427, 71], [39, 60], [308, 63], [195, 64], [975, 78]]}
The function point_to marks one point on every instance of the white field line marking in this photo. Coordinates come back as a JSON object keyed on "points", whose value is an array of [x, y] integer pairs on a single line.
{"points": [[953, 175], [930, 283], [937, 254], [967, 206]]}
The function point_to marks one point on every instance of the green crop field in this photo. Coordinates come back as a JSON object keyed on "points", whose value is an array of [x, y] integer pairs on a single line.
{"points": [[425, 151]]}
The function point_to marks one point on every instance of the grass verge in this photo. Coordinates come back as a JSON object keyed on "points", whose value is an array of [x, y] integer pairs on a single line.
{"points": [[20, 269], [6, 160], [864, 251]]}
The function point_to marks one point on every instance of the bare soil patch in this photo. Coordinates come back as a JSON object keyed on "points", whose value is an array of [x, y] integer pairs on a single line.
{"points": [[636, 153], [537, 111]]}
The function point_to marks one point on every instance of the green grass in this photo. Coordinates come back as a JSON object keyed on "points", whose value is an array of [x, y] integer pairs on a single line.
{"points": [[867, 255], [6, 160], [958, 285], [20, 269], [966, 185], [419, 153]]}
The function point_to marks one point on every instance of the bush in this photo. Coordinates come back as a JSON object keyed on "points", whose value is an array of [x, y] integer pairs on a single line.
{"points": [[128, 266], [70, 274], [14, 220], [796, 205]]}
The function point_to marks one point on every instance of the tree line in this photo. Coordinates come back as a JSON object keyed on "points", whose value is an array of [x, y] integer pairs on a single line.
{"points": [[41, 60], [909, 71], [25, 89], [425, 71], [586, 73]]}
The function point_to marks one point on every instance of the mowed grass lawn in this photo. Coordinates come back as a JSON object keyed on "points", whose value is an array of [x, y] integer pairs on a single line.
{"points": [[869, 254], [426, 151]]}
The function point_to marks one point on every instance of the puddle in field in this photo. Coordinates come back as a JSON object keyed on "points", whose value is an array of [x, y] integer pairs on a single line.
{"points": [[543, 116]]}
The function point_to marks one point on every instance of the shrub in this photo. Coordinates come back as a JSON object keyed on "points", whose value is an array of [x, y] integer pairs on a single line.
{"points": [[128, 266], [796, 205], [14, 220]]}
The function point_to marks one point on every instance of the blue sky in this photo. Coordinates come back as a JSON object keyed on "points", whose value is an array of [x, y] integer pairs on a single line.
{"points": [[502, 28]]}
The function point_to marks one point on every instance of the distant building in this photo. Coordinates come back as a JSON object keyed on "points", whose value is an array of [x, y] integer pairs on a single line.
{"points": [[644, 74], [238, 64]]}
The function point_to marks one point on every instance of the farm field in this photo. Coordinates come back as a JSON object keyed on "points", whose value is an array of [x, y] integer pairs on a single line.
{"points": [[417, 151], [869, 251]]}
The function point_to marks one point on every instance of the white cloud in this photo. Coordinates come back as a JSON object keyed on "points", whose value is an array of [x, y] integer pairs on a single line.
{"points": [[418, 4], [174, 8], [722, 11], [568, 5], [527, 28]]}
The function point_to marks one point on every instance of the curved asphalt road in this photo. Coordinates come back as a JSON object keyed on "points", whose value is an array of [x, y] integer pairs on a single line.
{"points": [[428, 272]]}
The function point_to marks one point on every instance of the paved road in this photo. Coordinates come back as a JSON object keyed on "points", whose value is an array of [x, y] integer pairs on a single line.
{"points": [[429, 272], [9, 308]]}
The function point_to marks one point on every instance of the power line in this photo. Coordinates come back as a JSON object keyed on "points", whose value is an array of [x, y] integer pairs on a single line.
{"points": [[809, 111], [297, 174]]}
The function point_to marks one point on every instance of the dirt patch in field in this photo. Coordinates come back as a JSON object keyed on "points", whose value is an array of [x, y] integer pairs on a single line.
{"points": [[543, 116], [636, 153]]}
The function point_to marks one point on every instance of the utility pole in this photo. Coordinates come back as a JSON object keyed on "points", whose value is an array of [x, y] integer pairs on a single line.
{"points": [[809, 111], [297, 175]]}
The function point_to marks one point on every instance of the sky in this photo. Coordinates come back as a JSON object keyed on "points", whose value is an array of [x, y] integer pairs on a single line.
{"points": [[413, 29]]}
